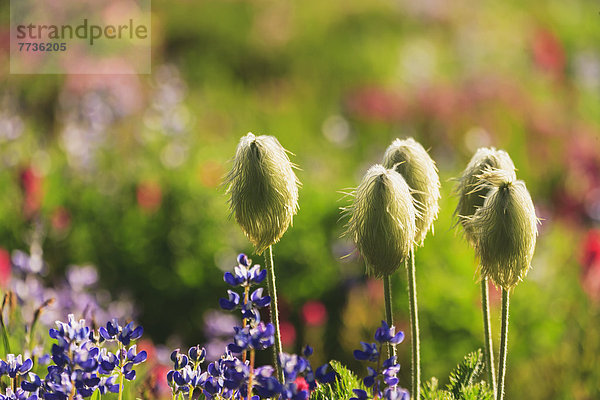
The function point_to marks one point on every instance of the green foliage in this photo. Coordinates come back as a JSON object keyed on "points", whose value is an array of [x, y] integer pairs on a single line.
{"points": [[341, 388], [463, 382]]}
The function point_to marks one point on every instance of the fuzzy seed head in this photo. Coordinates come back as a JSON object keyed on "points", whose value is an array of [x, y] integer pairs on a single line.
{"points": [[504, 229], [382, 220], [413, 162], [262, 189], [471, 190]]}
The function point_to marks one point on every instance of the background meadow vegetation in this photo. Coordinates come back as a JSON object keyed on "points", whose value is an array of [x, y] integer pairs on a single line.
{"points": [[124, 172]]}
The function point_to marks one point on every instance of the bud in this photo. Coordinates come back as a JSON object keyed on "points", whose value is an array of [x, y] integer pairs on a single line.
{"points": [[504, 229], [471, 190], [263, 190], [382, 220], [413, 162]]}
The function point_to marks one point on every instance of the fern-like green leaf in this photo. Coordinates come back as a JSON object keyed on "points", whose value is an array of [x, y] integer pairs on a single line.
{"points": [[341, 388], [431, 391], [477, 391], [466, 373]]}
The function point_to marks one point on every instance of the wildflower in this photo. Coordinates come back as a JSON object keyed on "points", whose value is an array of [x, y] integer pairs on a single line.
{"points": [[385, 334], [415, 165], [244, 275], [504, 229], [14, 365], [113, 331], [263, 190], [259, 338], [369, 352], [382, 220], [471, 190]]}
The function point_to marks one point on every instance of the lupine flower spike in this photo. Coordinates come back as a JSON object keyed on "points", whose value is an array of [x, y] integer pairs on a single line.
{"points": [[382, 224], [472, 192], [411, 160], [382, 381], [263, 192], [504, 229]]}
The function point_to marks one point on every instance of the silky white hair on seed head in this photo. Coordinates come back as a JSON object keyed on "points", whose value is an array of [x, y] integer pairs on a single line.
{"points": [[504, 229], [471, 190], [382, 220], [413, 162], [262, 189]]}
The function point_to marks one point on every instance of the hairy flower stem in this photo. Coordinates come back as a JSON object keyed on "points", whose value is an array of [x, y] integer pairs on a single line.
{"points": [[414, 325], [121, 371], [387, 290], [244, 322], [274, 312], [503, 345], [250, 382], [487, 328]]}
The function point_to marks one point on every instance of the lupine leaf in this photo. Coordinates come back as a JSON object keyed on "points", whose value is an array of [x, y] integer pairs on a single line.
{"points": [[430, 391], [341, 388], [477, 391], [465, 374]]}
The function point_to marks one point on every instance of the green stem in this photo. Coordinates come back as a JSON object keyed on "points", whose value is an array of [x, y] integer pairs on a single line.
{"points": [[503, 345], [387, 290], [414, 324], [250, 382], [3, 329], [120, 371], [487, 328], [274, 312]]}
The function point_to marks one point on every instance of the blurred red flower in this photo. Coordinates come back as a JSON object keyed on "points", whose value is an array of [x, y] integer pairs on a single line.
{"points": [[5, 267], [314, 313], [288, 333], [149, 196], [590, 260], [301, 384]]}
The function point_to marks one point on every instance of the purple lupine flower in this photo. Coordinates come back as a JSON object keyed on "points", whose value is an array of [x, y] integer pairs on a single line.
{"points": [[385, 334], [231, 303], [14, 365], [360, 395], [244, 275], [369, 352], [113, 331], [259, 338], [266, 384], [390, 370], [19, 394], [395, 393]]}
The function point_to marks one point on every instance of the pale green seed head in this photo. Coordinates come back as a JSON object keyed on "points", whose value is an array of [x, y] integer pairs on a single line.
{"points": [[263, 189], [471, 190], [504, 229], [413, 162], [382, 220]]}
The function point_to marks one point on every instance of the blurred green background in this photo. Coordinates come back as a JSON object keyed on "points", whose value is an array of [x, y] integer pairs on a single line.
{"points": [[124, 171]]}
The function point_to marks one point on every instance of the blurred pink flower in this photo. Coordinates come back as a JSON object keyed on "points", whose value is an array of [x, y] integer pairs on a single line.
{"points": [[548, 52], [32, 186], [376, 104], [61, 219], [314, 313]]}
